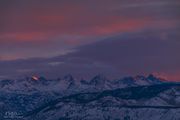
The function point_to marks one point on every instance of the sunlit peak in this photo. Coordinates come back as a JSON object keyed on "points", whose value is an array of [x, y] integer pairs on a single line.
{"points": [[35, 78]]}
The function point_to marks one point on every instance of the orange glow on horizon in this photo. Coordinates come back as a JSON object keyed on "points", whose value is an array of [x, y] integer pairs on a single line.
{"points": [[168, 76]]}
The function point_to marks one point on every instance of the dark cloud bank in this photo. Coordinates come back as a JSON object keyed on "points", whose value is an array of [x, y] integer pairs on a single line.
{"points": [[126, 54]]}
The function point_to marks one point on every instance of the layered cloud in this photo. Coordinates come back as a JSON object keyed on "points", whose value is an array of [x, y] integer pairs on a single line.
{"points": [[115, 37], [44, 22], [125, 54]]}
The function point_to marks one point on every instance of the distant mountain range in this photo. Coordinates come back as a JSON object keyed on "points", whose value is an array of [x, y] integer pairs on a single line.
{"points": [[129, 98], [33, 84]]}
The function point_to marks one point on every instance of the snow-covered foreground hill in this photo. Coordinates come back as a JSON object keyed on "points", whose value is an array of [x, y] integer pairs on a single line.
{"points": [[130, 98]]}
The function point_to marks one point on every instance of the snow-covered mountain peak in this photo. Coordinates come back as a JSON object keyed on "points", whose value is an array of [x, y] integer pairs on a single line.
{"points": [[147, 80], [154, 79], [97, 80], [138, 81], [34, 78], [7, 82], [68, 78]]}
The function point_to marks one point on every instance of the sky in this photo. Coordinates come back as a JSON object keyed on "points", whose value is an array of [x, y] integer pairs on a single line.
{"points": [[88, 37]]}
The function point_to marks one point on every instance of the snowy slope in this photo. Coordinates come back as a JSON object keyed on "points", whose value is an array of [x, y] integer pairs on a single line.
{"points": [[97, 98], [136, 103]]}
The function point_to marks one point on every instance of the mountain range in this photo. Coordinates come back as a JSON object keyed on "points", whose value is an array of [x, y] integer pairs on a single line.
{"points": [[67, 98]]}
